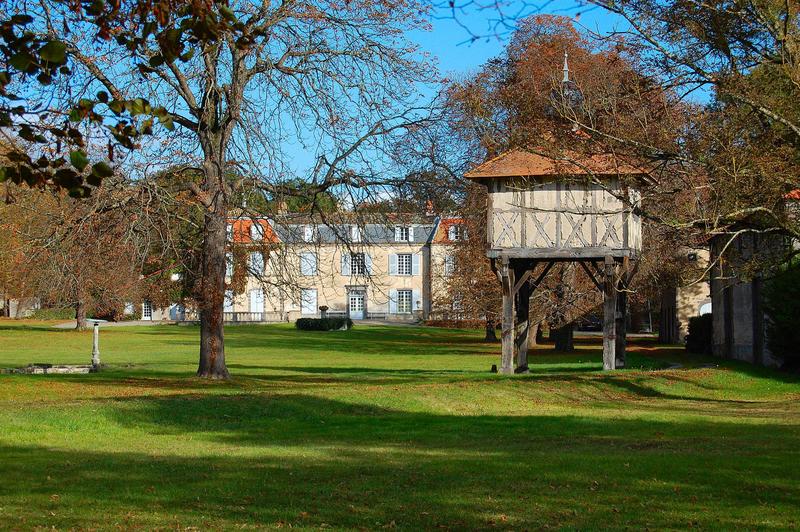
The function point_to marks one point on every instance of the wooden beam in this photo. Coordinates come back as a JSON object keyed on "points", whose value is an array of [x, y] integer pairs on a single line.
{"points": [[585, 253], [609, 315], [522, 279], [522, 325], [591, 276], [507, 281], [621, 321], [544, 272]]}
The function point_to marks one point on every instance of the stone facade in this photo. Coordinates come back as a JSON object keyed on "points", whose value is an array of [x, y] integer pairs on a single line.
{"points": [[382, 268]]}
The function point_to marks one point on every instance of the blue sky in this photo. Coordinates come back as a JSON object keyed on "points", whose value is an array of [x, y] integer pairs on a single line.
{"points": [[456, 54], [450, 43]]}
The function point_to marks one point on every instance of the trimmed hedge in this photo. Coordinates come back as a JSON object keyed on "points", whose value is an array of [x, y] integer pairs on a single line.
{"points": [[323, 324], [53, 314], [701, 335], [457, 324]]}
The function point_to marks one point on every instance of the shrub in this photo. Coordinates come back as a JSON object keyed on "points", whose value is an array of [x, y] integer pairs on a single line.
{"points": [[457, 324], [781, 307], [323, 324], [67, 313], [701, 335]]}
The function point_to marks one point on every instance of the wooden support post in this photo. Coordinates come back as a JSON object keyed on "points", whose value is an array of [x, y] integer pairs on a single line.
{"points": [[609, 315], [507, 282], [522, 313], [622, 315]]}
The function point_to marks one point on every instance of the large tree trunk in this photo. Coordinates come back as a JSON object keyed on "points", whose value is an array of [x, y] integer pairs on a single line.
{"points": [[564, 338], [212, 282], [491, 334], [80, 316], [668, 324]]}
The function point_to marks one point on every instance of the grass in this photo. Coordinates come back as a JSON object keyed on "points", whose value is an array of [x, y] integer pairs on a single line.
{"points": [[387, 427]]}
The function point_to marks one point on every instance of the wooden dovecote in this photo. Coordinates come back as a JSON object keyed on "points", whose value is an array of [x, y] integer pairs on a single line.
{"points": [[546, 208]]}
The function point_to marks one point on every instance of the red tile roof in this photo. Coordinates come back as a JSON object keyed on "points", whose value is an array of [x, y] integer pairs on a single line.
{"points": [[519, 162], [241, 231], [442, 232]]}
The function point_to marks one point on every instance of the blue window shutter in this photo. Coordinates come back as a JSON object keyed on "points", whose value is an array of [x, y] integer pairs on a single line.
{"points": [[308, 263], [392, 301], [415, 263], [411, 234], [416, 300], [257, 263], [397, 234], [346, 264], [392, 264], [368, 263]]}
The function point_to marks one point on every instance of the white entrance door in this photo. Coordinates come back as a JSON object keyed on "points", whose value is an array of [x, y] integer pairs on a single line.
{"points": [[147, 310], [257, 303], [308, 302], [356, 306]]}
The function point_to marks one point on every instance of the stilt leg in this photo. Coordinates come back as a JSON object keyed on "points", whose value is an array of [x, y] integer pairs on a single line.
{"points": [[622, 313], [609, 315], [507, 281], [522, 325]]}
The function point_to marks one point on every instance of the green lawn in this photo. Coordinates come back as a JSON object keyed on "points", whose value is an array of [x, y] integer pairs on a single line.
{"points": [[387, 427]]}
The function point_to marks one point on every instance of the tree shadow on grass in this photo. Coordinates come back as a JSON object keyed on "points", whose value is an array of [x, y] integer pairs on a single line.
{"points": [[218, 462]]}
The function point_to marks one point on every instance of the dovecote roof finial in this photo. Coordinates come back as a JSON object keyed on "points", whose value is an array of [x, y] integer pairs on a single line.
{"points": [[566, 68]]}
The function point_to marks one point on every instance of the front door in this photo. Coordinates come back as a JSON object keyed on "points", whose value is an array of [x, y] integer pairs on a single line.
{"points": [[356, 306], [147, 310], [256, 304]]}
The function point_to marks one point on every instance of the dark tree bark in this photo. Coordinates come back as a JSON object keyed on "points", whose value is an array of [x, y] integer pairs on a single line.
{"points": [[80, 316], [564, 338], [668, 322], [539, 333], [535, 335], [212, 289], [491, 332]]}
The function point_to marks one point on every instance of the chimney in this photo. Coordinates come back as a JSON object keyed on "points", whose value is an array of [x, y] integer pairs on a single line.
{"points": [[429, 208]]}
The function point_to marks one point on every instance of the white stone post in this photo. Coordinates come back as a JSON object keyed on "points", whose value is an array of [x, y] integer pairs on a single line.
{"points": [[96, 346]]}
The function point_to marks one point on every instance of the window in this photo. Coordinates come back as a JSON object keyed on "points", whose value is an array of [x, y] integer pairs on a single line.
{"points": [[456, 232], [404, 301], [256, 231], [257, 262], [229, 232], [449, 264], [404, 264], [229, 265], [358, 266], [227, 305], [355, 234], [308, 263], [308, 301], [308, 233], [403, 234]]}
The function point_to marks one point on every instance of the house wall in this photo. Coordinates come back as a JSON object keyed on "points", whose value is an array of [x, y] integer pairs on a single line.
{"points": [[552, 214], [285, 281], [690, 298], [738, 317]]}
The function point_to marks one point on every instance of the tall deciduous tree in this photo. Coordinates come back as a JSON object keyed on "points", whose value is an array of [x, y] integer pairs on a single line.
{"points": [[335, 76]]}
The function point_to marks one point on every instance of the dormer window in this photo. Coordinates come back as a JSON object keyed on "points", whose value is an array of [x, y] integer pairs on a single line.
{"points": [[403, 234], [308, 233], [456, 232], [256, 232]]}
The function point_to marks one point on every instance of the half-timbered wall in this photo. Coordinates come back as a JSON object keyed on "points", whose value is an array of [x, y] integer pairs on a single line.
{"points": [[561, 216]]}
